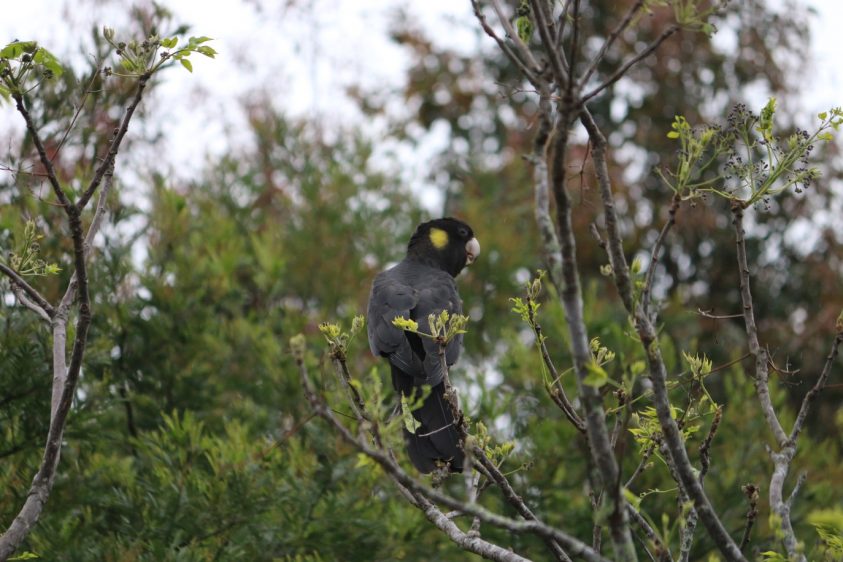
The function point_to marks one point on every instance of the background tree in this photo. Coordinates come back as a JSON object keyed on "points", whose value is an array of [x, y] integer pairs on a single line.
{"points": [[189, 437]]}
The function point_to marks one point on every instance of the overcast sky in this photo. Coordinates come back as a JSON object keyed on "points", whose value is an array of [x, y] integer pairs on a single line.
{"points": [[303, 59]]}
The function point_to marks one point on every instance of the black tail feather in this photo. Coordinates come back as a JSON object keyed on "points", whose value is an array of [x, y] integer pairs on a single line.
{"points": [[437, 438]]}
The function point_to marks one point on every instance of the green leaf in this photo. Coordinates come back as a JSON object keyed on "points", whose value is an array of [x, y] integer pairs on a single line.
{"points": [[831, 518], [411, 424], [823, 116], [25, 556], [673, 135], [207, 51], [364, 461], [597, 376], [632, 498], [16, 48], [46, 59], [828, 137], [186, 63], [405, 324], [637, 367]]}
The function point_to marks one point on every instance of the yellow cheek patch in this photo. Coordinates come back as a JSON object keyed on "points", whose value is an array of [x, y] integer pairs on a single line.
{"points": [[439, 238]]}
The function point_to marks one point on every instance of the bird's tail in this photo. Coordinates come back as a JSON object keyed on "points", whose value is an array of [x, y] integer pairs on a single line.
{"points": [[435, 439]]}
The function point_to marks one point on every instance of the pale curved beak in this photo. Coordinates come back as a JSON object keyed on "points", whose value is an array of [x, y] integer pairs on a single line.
{"points": [[472, 250]]}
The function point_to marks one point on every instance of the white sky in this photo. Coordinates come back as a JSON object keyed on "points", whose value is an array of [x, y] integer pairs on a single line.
{"points": [[304, 58]]}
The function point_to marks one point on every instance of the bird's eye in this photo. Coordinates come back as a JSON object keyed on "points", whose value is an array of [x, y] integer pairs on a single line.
{"points": [[463, 233]]}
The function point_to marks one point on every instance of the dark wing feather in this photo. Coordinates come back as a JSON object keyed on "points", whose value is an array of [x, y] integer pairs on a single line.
{"points": [[391, 298], [440, 294], [416, 291]]}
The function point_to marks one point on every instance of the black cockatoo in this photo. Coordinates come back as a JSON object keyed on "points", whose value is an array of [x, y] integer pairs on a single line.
{"points": [[422, 284]]}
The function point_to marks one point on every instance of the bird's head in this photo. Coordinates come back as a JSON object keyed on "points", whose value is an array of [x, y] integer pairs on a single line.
{"points": [[446, 243]]}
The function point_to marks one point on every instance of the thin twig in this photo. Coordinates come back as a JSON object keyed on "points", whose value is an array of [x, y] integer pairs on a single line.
{"points": [[730, 363], [42, 152], [662, 552], [620, 268], [755, 348], [610, 40], [674, 444], [619, 73], [817, 388], [115, 143], [800, 481], [561, 22], [572, 58], [515, 500], [705, 448], [524, 49], [647, 290], [529, 73], [707, 314], [554, 389], [751, 492], [642, 464], [686, 537], [543, 24], [30, 291], [78, 111], [34, 307]]}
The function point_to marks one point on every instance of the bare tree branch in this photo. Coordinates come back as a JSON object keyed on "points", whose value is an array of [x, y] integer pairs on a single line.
{"points": [[817, 388], [554, 389], [620, 269], [642, 464], [619, 73], [79, 107], [574, 53], [515, 500], [561, 22], [42, 152], [31, 292], [675, 445], [787, 446], [610, 40], [707, 314], [543, 19], [755, 348], [686, 535], [513, 35], [65, 376], [34, 307], [598, 435], [489, 468], [778, 505], [751, 492], [662, 552], [576, 547], [115, 142], [524, 67], [551, 249], [646, 292]]}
